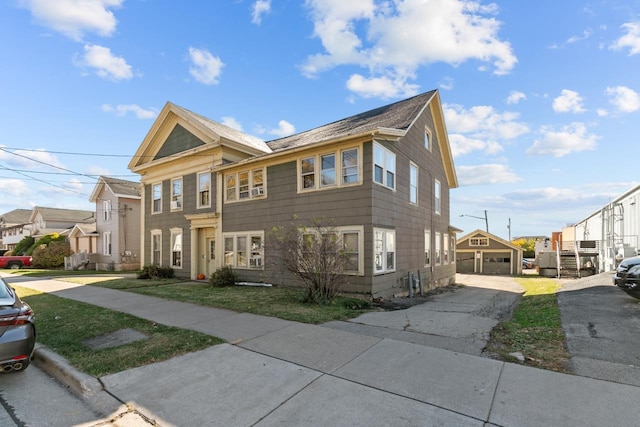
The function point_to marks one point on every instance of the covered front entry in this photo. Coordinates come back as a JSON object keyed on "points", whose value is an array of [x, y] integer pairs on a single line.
{"points": [[203, 244]]}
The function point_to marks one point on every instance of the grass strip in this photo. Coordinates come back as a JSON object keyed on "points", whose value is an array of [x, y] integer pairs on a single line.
{"points": [[275, 301], [535, 329], [64, 325]]}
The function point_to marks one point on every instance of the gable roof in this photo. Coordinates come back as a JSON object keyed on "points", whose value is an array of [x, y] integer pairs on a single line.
{"points": [[479, 232], [63, 215], [16, 216], [399, 115], [209, 131], [83, 230], [119, 187]]}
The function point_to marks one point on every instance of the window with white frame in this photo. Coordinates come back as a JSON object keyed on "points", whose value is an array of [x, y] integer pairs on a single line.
{"points": [[445, 249], [436, 194], [321, 170], [413, 183], [427, 248], [384, 250], [453, 249], [384, 166], [176, 247], [106, 243], [427, 138], [479, 241], [176, 194], [156, 247], [156, 191], [438, 246], [204, 190], [106, 208], [244, 185], [351, 243], [244, 250]]}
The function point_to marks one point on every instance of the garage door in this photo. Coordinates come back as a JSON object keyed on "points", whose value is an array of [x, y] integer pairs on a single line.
{"points": [[464, 262], [496, 263]]}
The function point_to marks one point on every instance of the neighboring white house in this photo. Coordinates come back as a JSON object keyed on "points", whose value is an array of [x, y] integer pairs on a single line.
{"points": [[14, 226], [612, 230], [54, 220]]}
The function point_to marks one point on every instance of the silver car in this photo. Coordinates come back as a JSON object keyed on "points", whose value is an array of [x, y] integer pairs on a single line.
{"points": [[17, 331]]}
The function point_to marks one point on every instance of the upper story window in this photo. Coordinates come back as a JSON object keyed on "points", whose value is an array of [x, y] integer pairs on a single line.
{"points": [[156, 206], [244, 185], [427, 138], [106, 208], [204, 190], [329, 170], [176, 194], [384, 171], [479, 241], [413, 183], [436, 196]]}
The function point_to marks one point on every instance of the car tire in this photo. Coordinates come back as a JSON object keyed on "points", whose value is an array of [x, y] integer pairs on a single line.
{"points": [[15, 266]]}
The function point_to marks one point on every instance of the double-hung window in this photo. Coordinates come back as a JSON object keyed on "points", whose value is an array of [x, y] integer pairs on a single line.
{"points": [[244, 250], [156, 191], [156, 247], [384, 250], [453, 249], [106, 207], [436, 194], [176, 194], [438, 246], [204, 190], [328, 170], [176, 247], [445, 250], [106, 243], [427, 248], [413, 183], [244, 185], [384, 168]]}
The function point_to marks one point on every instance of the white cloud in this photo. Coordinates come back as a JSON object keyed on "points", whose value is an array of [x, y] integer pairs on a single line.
{"points": [[515, 97], [123, 109], [14, 189], [284, 129], [630, 40], [461, 145], [260, 7], [626, 100], [486, 174], [380, 87], [105, 63], [569, 101], [558, 143], [483, 121], [585, 35], [232, 123], [602, 112], [74, 18], [394, 39], [205, 68]]}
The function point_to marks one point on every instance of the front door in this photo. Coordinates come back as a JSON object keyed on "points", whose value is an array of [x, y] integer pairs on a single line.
{"points": [[211, 255]]}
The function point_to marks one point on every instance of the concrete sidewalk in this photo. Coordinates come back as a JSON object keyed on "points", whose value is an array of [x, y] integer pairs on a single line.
{"points": [[276, 372]]}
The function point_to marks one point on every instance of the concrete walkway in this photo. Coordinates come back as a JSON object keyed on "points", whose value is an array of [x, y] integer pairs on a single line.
{"points": [[276, 372]]}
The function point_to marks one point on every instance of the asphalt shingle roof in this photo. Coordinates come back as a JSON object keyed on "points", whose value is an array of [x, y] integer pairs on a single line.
{"points": [[399, 115], [122, 187]]}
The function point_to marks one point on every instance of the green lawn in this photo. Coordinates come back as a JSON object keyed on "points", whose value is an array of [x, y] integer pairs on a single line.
{"points": [[536, 328], [64, 325]]}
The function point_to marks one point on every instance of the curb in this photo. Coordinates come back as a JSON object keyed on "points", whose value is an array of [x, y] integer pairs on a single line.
{"points": [[88, 388]]}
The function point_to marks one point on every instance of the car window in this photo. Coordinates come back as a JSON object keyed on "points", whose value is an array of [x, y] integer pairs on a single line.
{"points": [[6, 294]]}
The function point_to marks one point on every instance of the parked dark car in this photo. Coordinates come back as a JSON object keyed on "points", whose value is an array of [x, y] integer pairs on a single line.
{"points": [[527, 263], [627, 276], [17, 331]]}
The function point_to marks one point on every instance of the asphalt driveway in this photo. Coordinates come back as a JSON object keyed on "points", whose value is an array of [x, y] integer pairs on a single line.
{"points": [[602, 328]]}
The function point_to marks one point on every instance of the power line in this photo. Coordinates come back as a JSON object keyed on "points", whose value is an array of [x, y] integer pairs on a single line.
{"points": [[43, 181]]}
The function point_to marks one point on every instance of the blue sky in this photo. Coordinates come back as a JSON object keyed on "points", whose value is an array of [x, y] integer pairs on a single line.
{"points": [[541, 99]]}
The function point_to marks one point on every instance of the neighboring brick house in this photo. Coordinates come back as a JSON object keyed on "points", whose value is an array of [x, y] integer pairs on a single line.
{"points": [[211, 194], [117, 227]]}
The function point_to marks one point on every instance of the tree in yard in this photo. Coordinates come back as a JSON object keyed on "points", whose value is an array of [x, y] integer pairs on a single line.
{"points": [[314, 254]]}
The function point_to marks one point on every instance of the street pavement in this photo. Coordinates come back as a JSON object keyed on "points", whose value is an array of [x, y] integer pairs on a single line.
{"points": [[276, 372]]}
